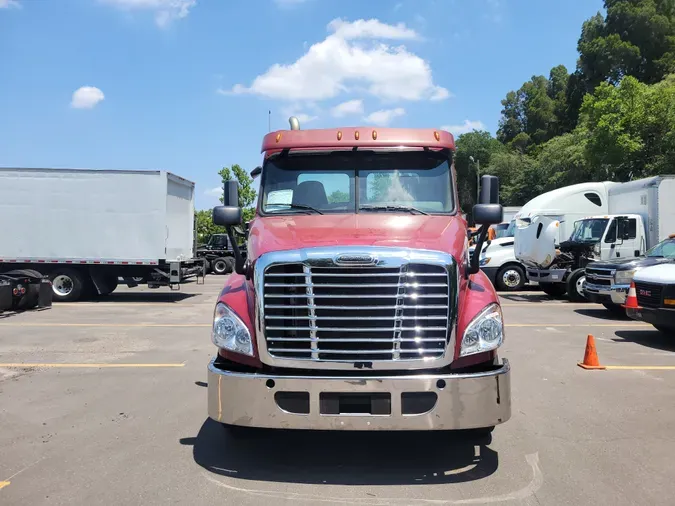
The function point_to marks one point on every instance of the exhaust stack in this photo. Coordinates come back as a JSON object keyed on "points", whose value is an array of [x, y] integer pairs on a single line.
{"points": [[295, 123]]}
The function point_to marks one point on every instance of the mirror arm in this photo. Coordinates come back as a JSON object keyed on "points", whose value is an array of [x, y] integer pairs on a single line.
{"points": [[474, 266], [239, 265]]}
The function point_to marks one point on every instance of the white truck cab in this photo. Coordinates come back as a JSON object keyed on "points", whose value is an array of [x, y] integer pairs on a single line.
{"points": [[498, 261], [556, 248], [549, 220]]}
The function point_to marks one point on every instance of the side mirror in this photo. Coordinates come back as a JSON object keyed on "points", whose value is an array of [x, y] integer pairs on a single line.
{"points": [[230, 215], [256, 172], [489, 190], [227, 216], [622, 229], [231, 193], [487, 212]]}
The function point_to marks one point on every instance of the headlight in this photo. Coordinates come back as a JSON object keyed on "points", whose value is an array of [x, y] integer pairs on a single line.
{"points": [[484, 261], [624, 277], [229, 332], [484, 333]]}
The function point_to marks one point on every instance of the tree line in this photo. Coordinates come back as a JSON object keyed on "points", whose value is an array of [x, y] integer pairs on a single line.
{"points": [[612, 118]]}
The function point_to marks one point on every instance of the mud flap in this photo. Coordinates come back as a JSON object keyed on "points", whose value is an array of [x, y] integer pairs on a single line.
{"points": [[5, 295], [46, 293]]}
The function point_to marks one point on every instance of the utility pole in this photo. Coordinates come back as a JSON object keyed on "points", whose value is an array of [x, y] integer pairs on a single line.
{"points": [[269, 121], [477, 162]]}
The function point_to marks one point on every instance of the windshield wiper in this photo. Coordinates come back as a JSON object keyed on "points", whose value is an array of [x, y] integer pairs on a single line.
{"points": [[392, 208], [302, 206]]}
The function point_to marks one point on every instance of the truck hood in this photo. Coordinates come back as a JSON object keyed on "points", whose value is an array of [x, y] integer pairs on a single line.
{"points": [[628, 264], [534, 242], [278, 233]]}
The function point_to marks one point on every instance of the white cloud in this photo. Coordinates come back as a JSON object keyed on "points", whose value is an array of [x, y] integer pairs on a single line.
{"points": [[351, 57], [86, 97], [304, 118], [215, 192], [8, 4], [295, 110], [347, 108], [385, 116], [466, 127], [165, 10]]}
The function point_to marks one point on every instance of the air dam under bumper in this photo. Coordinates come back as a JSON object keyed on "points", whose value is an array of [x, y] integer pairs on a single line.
{"points": [[465, 401]]}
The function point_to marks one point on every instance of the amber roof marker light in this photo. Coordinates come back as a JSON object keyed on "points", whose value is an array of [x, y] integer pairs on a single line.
{"points": [[374, 135], [339, 135], [357, 135], [437, 135]]}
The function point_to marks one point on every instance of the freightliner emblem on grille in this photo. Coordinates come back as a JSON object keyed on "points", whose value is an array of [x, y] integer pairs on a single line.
{"points": [[355, 259]]}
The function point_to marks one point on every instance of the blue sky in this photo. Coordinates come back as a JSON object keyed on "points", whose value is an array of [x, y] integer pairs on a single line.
{"points": [[186, 85]]}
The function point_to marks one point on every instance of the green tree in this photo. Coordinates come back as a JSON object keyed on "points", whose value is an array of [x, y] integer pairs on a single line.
{"points": [[512, 121], [562, 161], [536, 112], [247, 193], [205, 226], [338, 196], [630, 128], [481, 146], [635, 38]]}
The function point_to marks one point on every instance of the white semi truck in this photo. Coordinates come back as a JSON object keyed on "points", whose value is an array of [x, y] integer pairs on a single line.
{"points": [[560, 232], [498, 261], [86, 229]]}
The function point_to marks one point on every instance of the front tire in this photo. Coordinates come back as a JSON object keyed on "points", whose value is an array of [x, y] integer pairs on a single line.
{"points": [[219, 266], [555, 290], [575, 286], [510, 278], [67, 285]]}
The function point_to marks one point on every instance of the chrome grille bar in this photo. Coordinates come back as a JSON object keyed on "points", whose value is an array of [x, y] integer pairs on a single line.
{"points": [[313, 312]]}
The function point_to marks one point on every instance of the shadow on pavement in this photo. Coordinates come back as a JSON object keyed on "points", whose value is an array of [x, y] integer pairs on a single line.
{"points": [[140, 297], [649, 338], [10, 313], [535, 296], [603, 314], [342, 458]]}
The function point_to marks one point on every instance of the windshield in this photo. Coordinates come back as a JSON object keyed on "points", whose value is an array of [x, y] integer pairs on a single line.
{"points": [[589, 230], [663, 249], [367, 181], [505, 229]]}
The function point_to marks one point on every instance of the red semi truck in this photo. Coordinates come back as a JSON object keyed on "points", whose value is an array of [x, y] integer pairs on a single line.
{"points": [[357, 307]]}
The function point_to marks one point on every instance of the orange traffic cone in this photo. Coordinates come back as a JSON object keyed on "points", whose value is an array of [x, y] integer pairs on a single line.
{"points": [[591, 355], [631, 300]]}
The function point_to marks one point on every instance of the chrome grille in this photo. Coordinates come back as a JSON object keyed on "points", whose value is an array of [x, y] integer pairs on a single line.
{"points": [[600, 277], [356, 314]]}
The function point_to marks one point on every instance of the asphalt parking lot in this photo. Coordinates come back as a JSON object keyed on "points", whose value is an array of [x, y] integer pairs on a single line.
{"points": [[92, 432]]}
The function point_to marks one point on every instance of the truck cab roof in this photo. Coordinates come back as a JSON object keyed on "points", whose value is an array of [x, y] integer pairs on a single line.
{"points": [[356, 137]]}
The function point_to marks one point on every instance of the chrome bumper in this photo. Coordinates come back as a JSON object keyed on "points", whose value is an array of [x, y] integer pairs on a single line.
{"points": [[463, 401], [546, 275], [616, 294]]}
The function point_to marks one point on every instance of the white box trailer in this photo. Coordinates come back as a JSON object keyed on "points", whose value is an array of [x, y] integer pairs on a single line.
{"points": [[87, 228]]}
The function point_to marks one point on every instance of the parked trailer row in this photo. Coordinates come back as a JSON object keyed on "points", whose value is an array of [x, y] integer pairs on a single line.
{"points": [[86, 229]]}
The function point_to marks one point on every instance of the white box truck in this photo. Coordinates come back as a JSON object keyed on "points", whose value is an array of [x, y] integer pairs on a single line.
{"points": [[85, 229], [558, 234]]}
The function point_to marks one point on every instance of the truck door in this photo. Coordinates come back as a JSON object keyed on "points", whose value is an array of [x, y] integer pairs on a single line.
{"points": [[624, 238]]}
